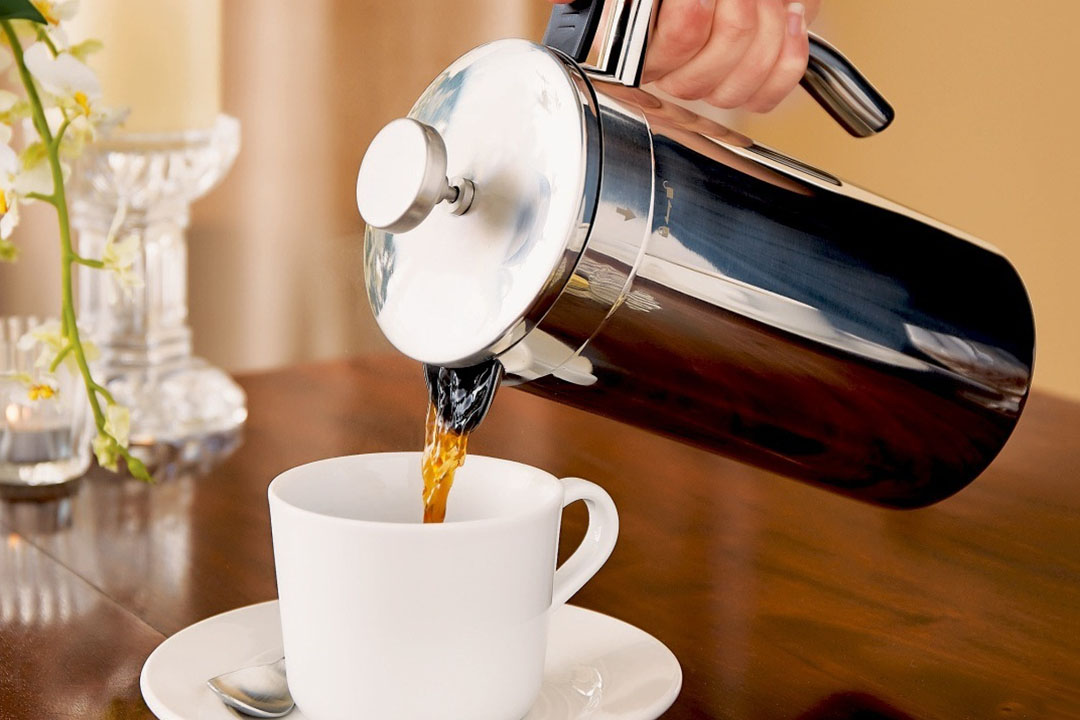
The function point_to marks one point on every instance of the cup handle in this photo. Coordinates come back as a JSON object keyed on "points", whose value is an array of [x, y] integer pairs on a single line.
{"points": [[599, 540]]}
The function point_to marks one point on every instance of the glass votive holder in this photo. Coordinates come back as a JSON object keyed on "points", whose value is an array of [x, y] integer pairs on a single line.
{"points": [[45, 418]]}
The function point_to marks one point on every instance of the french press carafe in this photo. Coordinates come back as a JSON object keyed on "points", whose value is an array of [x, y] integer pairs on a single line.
{"points": [[622, 254]]}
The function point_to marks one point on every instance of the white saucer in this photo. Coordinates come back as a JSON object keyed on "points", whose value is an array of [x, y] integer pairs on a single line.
{"points": [[597, 667]]}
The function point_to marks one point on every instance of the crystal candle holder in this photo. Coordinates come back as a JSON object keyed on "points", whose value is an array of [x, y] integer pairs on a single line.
{"points": [[142, 332]]}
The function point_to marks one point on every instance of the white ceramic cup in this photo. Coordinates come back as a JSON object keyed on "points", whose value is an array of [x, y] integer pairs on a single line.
{"points": [[385, 617]]}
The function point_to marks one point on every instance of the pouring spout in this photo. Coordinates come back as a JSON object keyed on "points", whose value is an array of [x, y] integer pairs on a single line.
{"points": [[462, 396]]}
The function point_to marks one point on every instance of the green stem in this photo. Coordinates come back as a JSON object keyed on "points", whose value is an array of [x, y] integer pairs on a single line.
{"points": [[104, 393], [44, 198], [60, 357], [44, 37], [96, 264], [37, 109], [67, 253], [61, 130]]}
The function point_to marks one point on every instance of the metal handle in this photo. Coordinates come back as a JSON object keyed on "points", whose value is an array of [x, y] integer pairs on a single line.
{"points": [[831, 79], [572, 27], [838, 86]]}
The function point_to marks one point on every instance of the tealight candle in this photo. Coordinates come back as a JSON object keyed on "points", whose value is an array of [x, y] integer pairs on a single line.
{"points": [[162, 59], [25, 439]]}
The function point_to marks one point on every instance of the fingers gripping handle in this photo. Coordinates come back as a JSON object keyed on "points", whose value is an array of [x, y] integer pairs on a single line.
{"points": [[599, 540], [831, 79]]}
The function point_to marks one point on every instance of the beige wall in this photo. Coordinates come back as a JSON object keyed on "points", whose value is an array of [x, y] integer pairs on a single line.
{"points": [[986, 94]]}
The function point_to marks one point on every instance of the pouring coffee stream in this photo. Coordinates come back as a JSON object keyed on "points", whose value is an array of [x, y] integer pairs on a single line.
{"points": [[459, 399], [629, 257]]}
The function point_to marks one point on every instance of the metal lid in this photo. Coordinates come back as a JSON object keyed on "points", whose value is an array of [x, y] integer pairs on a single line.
{"points": [[521, 139]]}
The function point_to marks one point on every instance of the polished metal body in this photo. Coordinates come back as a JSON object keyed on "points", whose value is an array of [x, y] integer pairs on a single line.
{"points": [[622, 55], [768, 311], [717, 291]]}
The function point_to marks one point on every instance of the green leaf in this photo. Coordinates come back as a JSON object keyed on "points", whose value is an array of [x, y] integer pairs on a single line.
{"points": [[20, 10]]}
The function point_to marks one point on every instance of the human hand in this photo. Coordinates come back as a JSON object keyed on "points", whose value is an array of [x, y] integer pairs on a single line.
{"points": [[730, 53]]}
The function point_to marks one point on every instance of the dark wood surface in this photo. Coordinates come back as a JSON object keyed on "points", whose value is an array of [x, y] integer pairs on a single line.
{"points": [[781, 601]]}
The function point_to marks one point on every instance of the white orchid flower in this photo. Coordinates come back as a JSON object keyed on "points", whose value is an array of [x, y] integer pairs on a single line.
{"points": [[54, 118], [18, 377], [12, 107], [71, 82], [83, 127], [119, 255], [42, 391], [34, 174], [56, 11], [10, 218], [9, 160], [8, 100], [117, 431], [36, 177], [118, 423], [37, 388], [51, 338], [106, 452], [9, 169]]}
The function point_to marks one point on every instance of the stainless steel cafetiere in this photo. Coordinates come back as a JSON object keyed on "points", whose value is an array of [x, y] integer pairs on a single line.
{"points": [[622, 254]]}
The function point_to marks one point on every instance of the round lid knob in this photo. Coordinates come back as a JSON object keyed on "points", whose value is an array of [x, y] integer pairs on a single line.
{"points": [[403, 177]]}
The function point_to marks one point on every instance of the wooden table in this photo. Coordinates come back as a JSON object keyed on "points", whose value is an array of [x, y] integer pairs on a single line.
{"points": [[781, 601]]}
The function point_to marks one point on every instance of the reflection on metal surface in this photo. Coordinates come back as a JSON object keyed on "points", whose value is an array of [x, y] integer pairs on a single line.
{"points": [[1003, 377], [540, 354], [622, 54], [773, 156], [605, 285]]}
